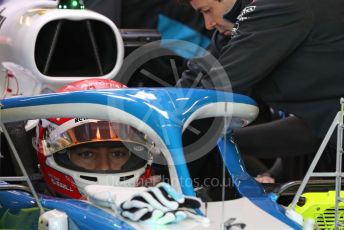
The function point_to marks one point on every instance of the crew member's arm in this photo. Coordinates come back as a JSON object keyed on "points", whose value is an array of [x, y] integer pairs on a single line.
{"points": [[199, 67], [267, 32]]}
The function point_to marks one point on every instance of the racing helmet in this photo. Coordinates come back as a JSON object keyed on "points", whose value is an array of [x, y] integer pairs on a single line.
{"points": [[76, 152]]}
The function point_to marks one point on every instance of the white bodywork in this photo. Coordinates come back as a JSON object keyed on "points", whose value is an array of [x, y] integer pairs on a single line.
{"points": [[20, 23], [232, 212]]}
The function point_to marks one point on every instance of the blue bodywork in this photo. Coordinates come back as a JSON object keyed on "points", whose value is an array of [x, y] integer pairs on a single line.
{"points": [[168, 110]]}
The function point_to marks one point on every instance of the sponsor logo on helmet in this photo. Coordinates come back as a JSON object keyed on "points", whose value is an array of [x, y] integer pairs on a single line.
{"points": [[79, 119], [56, 181]]}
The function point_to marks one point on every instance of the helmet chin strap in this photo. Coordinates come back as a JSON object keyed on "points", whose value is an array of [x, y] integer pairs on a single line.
{"points": [[144, 177], [148, 171]]}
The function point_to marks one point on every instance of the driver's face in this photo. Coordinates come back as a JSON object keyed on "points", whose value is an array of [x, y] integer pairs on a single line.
{"points": [[99, 158]]}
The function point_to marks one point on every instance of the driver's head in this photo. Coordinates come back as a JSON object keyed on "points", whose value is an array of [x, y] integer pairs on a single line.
{"points": [[75, 152], [94, 146]]}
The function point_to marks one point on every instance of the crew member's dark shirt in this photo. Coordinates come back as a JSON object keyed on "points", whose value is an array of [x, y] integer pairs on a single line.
{"points": [[138, 14], [291, 53]]}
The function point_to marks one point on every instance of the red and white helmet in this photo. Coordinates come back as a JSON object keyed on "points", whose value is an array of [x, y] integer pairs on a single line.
{"points": [[59, 141]]}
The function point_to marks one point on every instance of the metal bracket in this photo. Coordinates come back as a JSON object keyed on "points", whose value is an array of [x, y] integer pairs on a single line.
{"points": [[25, 176], [337, 123]]}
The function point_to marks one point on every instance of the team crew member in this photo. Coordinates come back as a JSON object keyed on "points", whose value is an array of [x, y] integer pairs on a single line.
{"points": [[290, 54]]}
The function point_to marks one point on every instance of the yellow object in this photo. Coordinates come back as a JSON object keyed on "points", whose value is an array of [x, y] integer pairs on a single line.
{"points": [[320, 206]]}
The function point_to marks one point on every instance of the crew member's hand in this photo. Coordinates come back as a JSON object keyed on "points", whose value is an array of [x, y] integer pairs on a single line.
{"points": [[160, 205], [265, 178]]}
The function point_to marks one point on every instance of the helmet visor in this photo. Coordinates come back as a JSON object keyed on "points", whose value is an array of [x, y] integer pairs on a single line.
{"points": [[74, 133]]}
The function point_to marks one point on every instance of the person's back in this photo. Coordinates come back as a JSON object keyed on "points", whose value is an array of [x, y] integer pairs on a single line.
{"points": [[308, 77], [294, 53], [291, 53]]}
